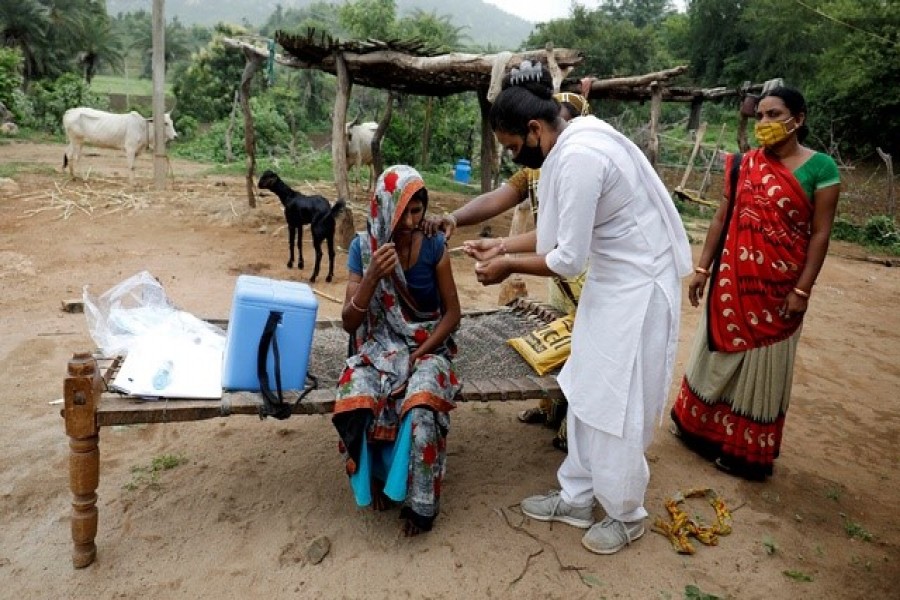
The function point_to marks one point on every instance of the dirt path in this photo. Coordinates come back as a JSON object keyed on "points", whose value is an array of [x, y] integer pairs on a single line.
{"points": [[236, 519]]}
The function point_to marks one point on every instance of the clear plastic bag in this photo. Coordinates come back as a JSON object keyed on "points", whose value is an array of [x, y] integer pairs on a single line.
{"points": [[137, 309]]}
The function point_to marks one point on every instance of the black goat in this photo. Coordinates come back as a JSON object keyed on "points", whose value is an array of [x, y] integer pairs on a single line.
{"points": [[300, 210]]}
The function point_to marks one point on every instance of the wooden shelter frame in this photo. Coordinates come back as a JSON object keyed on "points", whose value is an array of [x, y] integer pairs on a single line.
{"points": [[410, 67]]}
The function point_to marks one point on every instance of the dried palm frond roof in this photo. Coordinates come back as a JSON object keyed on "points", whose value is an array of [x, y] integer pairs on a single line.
{"points": [[406, 66]]}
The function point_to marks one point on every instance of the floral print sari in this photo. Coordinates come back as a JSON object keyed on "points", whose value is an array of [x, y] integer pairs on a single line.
{"points": [[392, 415]]}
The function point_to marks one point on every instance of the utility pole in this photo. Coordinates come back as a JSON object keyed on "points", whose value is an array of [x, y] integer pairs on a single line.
{"points": [[160, 160]]}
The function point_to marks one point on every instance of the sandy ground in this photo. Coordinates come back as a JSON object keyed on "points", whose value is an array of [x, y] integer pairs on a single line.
{"points": [[236, 519]]}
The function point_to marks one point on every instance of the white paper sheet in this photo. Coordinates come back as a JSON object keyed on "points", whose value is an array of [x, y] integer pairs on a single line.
{"points": [[196, 369]]}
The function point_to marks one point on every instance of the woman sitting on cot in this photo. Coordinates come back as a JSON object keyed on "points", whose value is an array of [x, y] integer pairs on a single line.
{"points": [[399, 384]]}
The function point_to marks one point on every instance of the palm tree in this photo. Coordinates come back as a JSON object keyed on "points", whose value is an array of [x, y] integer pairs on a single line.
{"points": [[98, 44], [178, 45], [23, 25]]}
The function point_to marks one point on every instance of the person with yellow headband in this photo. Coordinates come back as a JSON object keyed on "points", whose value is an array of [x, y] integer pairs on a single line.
{"points": [[563, 294], [762, 254]]}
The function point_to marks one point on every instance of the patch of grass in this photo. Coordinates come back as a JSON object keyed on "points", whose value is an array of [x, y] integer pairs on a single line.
{"points": [[879, 234], [11, 169], [797, 575], [833, 493], [769, 544], [857, 531], [692, 592], [148, 476], [113, 84]]}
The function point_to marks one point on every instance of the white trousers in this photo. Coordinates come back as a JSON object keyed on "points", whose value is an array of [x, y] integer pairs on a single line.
{"points": [[609, 468]]}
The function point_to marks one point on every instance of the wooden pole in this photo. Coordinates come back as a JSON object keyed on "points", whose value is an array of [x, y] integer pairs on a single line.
{"points": [[229, 154], [383, 124], [426, 131], [889, 163], [696, 108], [160, 161], [487, 142], [709, 164], [81, 395], [742, 134], [250, 67], [698, 139], [345, 229], [655, 109]]}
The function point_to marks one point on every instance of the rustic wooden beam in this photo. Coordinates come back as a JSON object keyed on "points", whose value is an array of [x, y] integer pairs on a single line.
{"points": [[742, 133], [345, 229], [598, 85], [444, 74], [655, 110], [488, 160], [251, 65], [694, 118], [383, 124], [891, 195], [124, 410], [698, 139]]}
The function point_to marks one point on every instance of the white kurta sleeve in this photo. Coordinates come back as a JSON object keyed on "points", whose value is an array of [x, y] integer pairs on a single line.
{"points": [[577, 186]]}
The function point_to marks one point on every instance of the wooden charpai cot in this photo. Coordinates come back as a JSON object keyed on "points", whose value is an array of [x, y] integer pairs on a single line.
{"points": [[489, 370]]}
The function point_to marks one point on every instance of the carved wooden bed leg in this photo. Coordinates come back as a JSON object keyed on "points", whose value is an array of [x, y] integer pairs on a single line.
{"points": [[82, 390]]}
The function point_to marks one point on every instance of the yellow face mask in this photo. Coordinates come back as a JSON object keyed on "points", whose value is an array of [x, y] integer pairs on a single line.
{"points": [[774, 132]]}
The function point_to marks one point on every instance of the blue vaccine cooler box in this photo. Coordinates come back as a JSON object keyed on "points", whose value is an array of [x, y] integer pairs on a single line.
{"points": [[254, 299]]}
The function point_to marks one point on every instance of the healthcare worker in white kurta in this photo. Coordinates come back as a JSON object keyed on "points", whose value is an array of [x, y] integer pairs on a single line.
{"points": [[602, 205]]}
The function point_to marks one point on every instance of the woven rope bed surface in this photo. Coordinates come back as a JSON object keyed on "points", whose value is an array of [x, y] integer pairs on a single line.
{"points": [[481, 339], [489, 368]]}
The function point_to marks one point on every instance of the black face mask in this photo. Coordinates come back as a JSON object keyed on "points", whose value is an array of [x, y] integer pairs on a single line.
{"points": [[531, 157]]}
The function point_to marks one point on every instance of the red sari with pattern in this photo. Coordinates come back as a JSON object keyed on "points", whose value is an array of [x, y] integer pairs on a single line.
{"points": [[767, 236]]}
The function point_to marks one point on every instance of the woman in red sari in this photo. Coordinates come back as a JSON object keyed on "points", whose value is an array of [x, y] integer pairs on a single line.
{"points": [[761, 257]]}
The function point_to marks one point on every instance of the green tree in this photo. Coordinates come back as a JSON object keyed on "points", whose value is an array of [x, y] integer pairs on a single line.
{"points": [[23, 25], [177, 45], [611, 47], [640, 13], [438, 31], [205, 87], [10, 75], [321, 16], [99, 45], [369, 19], [716, 37], [854, 90]]}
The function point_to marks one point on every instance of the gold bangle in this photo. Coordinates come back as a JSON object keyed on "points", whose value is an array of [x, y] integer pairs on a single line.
{"points": [[801, 293], [355, 307], [701, 271]]}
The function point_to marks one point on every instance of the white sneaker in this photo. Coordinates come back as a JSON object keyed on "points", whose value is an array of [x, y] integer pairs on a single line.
{"points": [[551, 507], [610, 535]]}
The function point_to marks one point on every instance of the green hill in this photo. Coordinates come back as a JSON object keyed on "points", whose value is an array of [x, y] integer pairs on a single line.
{"points": [[484, 24]]}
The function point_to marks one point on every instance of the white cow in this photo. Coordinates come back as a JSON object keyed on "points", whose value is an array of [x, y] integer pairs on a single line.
{"points": [[359, 147], [130, 132]]}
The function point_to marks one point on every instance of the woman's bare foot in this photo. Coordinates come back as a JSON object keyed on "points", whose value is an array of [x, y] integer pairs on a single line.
{"points": [[413, 523], [410, 529], [380, 501]]}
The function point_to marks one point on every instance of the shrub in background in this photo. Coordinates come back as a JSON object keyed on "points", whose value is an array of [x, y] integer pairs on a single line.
{"points": [[51, 98], [10, 77]]}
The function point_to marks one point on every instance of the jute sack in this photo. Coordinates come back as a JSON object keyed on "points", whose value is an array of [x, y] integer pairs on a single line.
{"points": [[548, 347]]}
